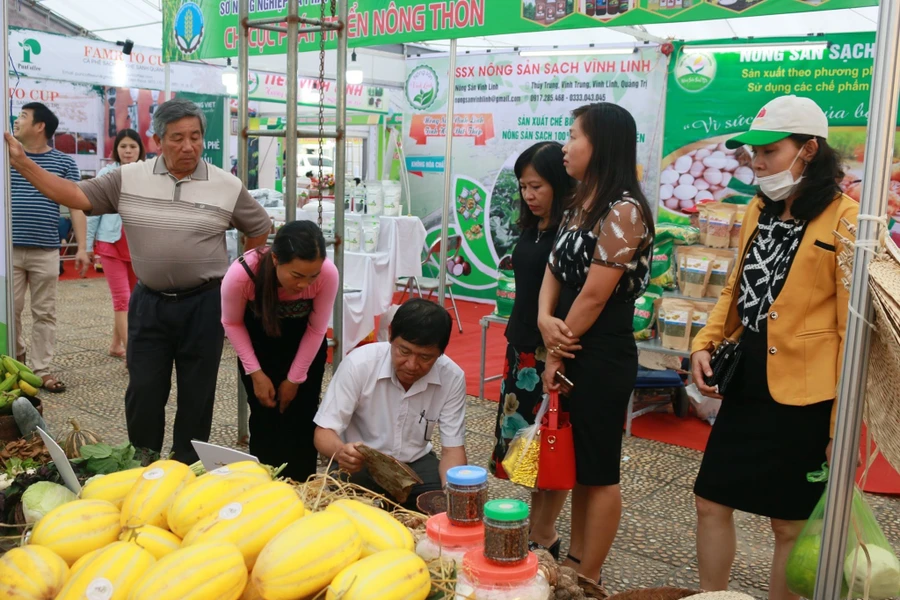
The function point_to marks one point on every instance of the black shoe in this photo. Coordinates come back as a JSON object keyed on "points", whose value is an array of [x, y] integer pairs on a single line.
{"points": [[553, 549]]}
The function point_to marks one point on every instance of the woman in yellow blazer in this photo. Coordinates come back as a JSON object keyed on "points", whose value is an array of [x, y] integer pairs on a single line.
{"points": [[787, 307]]}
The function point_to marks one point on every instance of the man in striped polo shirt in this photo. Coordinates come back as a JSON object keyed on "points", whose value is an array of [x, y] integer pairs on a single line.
{"points": [[35, 235], [175, 210]]}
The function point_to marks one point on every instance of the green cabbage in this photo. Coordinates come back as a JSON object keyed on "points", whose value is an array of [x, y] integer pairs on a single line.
{"points": [[42, 497], [884, 577]]}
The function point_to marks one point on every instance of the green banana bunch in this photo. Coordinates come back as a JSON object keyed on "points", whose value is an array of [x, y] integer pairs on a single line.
{"points": [[20, 374]]}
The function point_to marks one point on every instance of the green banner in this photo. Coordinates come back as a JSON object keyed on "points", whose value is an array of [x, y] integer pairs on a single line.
{"points": [[716, 91], [214, 141], [197, 29]]}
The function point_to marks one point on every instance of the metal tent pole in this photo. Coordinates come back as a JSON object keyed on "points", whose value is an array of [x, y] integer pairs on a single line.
{"points": [[340, 167], [878, 158], [9, 317], [243, 169], [448, 175], [290, 134]]}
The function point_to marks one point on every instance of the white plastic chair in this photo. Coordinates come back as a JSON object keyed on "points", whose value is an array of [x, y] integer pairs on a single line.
{"points": [[432, 284]]}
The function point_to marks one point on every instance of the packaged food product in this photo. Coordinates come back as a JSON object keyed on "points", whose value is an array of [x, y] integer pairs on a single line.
{"points": [[645, 312], [736, 228], [693, 273], [683, 235], [506, 531], [720, 221], [662, 267], [699, 316], [703, 221], [719, 271], [352, 233], [467, 493], [445, 540], [675, 323]]}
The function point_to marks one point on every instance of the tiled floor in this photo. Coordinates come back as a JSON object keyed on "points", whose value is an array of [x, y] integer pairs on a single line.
{"points": [[656, 540]]}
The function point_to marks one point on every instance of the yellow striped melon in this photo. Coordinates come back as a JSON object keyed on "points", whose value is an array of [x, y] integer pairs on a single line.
{"points": [[113, 487], [155, 540], [388, 575], [109, 573], [75, 528], [250, 520], [80, 562], [210, 492], [379, 530], [304, 558], [198, 572], [32, 573], [148, 501]]}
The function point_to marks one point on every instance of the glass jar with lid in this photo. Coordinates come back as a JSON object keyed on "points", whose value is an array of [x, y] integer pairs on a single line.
{"points": [[506, 531], [446, 540], [485, 580], [467, 493]]}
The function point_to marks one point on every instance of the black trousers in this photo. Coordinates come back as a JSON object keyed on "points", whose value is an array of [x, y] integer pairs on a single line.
{"points": [[161, 333], [427, 470]]}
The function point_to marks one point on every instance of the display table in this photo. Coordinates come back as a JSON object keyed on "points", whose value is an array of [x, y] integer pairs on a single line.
{"points": [[485, 322], [369, 278]]}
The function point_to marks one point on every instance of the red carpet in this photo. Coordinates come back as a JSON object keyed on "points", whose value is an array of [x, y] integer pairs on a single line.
{"points": [[70, 273]]}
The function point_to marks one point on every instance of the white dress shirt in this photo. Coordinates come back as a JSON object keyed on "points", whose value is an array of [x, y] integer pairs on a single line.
{"points": [[365, 403]]}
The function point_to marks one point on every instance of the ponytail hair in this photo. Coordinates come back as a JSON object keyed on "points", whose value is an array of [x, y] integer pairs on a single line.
{"points": [[298, 239]]}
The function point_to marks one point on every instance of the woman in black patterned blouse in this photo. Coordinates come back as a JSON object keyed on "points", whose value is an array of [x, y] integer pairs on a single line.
{"points": [[599, 266]]}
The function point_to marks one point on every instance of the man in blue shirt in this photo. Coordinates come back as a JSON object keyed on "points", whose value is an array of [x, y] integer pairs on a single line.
{"points": [[35, 236]]}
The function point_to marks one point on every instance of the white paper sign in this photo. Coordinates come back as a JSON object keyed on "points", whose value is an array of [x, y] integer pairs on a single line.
{"points": [[214, 457], [62, 463]]}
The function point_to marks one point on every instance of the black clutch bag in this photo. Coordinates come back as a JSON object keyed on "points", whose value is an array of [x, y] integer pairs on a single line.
{"points": [[723, 363]]}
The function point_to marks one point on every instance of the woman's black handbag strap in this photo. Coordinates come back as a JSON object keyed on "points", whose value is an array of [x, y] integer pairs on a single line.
{"points": [[247, 268]]}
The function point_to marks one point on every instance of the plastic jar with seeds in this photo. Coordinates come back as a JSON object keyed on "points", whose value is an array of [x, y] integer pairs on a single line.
{"points": [[506, 531], [467, 493]]}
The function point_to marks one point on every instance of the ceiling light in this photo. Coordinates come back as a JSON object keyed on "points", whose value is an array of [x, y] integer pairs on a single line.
{"points": [[354, 73], [230, 79], [581, 52]]}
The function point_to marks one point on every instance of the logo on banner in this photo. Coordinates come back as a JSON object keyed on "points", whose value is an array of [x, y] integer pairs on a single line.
{"points": [[422, 87], [29, 47], [695, 71], [188, 27], [252, 82]]}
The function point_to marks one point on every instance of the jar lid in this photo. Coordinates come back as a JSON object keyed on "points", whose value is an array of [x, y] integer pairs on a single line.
{"points": [[467, 475], [442, 531], [506, 510], [478, 568]]}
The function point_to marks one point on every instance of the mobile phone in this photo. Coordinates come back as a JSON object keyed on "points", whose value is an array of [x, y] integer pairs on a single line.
{"points": [[563, 381]]}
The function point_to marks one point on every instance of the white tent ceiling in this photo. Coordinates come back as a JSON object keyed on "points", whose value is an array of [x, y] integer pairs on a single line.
{"points": [[141, 21]]}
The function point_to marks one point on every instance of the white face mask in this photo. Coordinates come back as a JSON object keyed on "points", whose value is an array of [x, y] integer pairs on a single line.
{"points": [[780, 185]]}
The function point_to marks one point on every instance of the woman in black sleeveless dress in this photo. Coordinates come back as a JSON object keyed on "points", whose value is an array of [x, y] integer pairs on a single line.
{"points": [[598, 268], [276, 303], [544, 186]]}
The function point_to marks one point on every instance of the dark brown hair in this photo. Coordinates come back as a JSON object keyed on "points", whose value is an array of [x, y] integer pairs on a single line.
{"points": [[132, 135], [297, 239], [546, 158], [613, 167]]}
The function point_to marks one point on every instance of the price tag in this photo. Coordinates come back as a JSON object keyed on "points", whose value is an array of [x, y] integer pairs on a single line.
{"points": [[62, 463], [214, 457]]}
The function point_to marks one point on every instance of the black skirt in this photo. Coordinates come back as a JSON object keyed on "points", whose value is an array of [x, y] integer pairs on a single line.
{"points": [[760, 451], [604, 372]]}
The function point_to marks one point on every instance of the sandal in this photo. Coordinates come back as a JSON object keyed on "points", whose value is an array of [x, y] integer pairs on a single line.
{"points": [[553, 548], [53, 385], [571, 558]]}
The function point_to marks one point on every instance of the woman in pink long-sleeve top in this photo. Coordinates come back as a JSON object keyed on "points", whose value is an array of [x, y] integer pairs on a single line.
{"points": [[276, 303]]}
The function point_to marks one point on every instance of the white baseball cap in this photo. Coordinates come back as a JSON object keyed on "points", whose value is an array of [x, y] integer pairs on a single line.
{"points": [[783, 116]]}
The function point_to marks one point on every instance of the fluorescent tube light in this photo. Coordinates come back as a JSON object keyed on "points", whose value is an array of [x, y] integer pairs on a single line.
{"points": [[580, 52], [763, 46]]}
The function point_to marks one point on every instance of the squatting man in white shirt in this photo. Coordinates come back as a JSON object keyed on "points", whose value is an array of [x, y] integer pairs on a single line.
{"points": [[390, 396]]}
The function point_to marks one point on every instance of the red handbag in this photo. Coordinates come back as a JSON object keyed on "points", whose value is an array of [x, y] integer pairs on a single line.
{"points": [[556, 461]]}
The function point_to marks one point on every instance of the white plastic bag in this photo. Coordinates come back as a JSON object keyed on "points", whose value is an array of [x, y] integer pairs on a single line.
{"points": [[706, 408], [521, 460]]}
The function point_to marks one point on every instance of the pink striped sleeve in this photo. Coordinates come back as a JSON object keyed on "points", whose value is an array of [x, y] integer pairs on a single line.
{"points": [[237, 290], [325, 290]]}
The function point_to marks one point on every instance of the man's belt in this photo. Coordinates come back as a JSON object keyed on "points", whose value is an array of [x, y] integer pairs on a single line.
{"points": [[179, 295]]}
